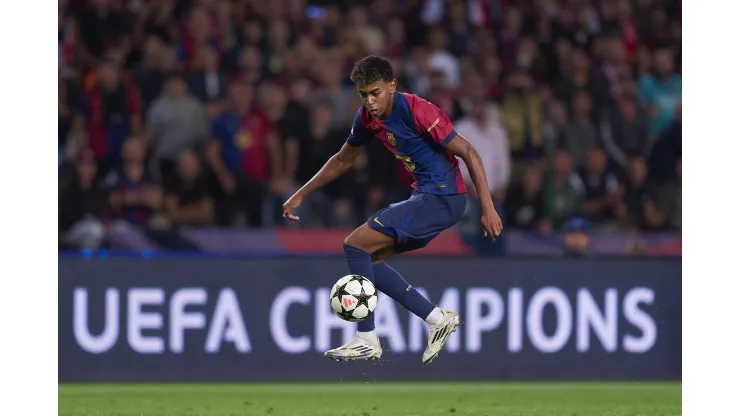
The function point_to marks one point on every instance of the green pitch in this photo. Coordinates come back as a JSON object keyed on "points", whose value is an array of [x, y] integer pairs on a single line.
{"points": [[372, 399]]}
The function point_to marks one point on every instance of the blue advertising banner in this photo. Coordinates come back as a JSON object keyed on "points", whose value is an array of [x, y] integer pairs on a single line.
{"points": [[270, 319]]}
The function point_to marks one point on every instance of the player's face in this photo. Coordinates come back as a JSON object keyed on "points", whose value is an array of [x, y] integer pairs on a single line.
{"points": [[376, 97]]}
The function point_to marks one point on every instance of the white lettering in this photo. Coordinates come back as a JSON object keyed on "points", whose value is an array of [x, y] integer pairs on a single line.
{"points": [[326, 320], [639, 318], [563, 316], [180, 320], [477, 323], [388, 325], [279, 320], [515, 326], [227, 325], [108, 338], [138, 320], [590, 317]]}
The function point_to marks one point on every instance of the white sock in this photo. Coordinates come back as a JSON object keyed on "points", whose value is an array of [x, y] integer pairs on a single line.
{"points": [[368, 336], [435, 317]]}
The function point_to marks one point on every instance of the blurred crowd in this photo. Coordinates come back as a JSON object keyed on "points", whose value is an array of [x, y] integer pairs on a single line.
{"points": [[212, 112]]}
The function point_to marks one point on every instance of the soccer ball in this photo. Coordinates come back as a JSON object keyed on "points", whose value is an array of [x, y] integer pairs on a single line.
{"points": [[353, 298]]}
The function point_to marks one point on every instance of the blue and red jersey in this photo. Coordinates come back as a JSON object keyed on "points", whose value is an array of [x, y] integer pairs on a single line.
{"points": [[417, 133]]}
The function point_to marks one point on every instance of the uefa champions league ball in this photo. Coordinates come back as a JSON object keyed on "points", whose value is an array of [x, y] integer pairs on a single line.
{"points": [[353, 298]]}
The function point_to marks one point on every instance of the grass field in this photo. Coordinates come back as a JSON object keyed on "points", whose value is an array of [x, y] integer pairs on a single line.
{"points": [[372, 399]]}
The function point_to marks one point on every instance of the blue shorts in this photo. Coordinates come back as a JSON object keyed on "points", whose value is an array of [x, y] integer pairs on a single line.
{"points": [[416, 221]]}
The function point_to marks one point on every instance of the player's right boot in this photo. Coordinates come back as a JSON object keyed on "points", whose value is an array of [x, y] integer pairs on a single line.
{"points": [[359, 348]]}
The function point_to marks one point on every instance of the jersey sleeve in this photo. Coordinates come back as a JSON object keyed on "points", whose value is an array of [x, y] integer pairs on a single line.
{"points": [[433, 122], [359, 135]]}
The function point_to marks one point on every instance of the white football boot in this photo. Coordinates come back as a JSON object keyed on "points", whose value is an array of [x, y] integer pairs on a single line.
{"points": [[357, 349], [438, 335]]}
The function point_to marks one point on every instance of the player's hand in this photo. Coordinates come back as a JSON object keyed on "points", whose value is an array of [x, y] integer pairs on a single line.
{"points": [[291, 205], [491, 223]]}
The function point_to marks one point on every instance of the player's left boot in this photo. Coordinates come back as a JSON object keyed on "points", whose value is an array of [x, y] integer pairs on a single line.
{"points": [[438, 335]]}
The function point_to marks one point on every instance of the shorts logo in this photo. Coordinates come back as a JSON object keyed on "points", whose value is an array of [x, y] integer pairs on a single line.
{"points": [[378, 221], [391, 138]]}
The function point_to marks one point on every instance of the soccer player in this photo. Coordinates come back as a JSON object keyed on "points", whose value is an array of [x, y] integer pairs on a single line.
{"points": [[421, 136]]}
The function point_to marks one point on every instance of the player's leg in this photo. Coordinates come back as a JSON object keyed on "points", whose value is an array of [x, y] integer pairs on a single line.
{"points": [[435, 215], [358, 247]]}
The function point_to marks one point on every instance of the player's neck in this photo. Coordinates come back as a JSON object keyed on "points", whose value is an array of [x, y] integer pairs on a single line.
{"points": [[388, 111]]}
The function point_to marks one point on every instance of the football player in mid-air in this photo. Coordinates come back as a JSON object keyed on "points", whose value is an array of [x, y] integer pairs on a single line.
{"points": [[421, 136]]}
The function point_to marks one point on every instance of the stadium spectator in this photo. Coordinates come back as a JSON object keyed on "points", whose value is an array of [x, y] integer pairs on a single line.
{"points": [[536, 60], [524, 207], [81, 206], [601, 187], [625, 131], [489, 139], [187, 200], [661, 91], [176, 123], [134, 196], [563, 191], [342, 97], [669, 200], [553, 125], [112, 112], [208, 82], [667, 151], [576, 238], [242, 151], [579, 76], [580, 135], [523, 118], [156, 62], [638, 208], [441, 59]]}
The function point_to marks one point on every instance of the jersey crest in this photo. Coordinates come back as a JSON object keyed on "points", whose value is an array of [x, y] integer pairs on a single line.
{"points": [[391, 138]]}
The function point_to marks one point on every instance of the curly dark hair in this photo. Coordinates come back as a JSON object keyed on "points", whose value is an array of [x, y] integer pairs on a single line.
{"points": [[372, 69]]}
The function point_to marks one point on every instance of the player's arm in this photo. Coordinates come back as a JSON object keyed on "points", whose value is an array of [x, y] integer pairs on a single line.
{"points": [[489, 217], [460, 147]]}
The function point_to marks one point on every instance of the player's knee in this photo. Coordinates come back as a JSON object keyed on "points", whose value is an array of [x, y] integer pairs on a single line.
{"points": [[368, 239], [358, 240], [381, 256]]}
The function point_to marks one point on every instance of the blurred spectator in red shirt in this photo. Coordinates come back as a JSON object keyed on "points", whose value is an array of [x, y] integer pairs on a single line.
{"points": [[242, 151], [113, 112]]}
